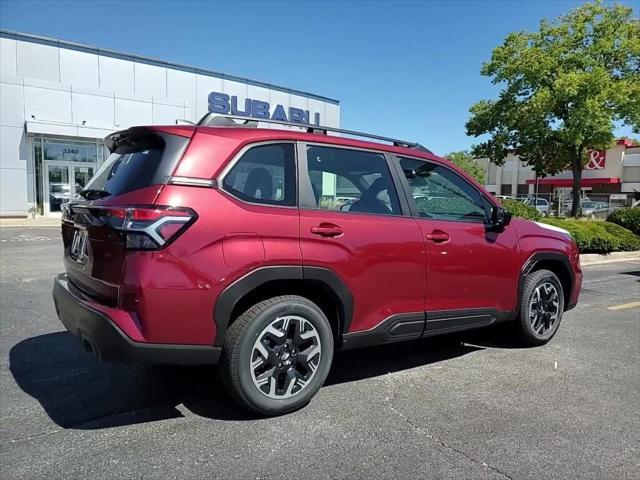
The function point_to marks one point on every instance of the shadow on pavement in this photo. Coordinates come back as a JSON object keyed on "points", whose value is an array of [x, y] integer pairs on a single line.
{"points": [[633, 273], [78, 392]]}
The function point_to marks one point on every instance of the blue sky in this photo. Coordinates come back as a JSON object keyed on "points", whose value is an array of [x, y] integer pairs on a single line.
{"points": [[403, 69]]}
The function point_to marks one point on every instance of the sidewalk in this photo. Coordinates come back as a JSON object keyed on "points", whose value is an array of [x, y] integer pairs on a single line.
{"points": [[587, 259], [29, 222]]}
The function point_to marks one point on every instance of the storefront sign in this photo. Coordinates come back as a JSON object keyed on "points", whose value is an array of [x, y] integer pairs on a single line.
{"points": [[226, 104], [596, 160]]}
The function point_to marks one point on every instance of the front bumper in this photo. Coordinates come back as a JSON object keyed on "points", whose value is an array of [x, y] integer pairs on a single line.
{"points": [[100, 336]]}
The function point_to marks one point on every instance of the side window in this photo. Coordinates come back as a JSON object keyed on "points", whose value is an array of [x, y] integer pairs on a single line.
{"points": [[442, 194], [264, 174], [351, 181]]}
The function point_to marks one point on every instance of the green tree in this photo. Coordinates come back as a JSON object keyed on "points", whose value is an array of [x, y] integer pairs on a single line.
{"points": [[466, 162], [564, 88]]}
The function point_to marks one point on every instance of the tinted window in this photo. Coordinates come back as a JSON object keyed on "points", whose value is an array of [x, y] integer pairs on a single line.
{"points": [[264, 174], [351, 181], [139, 161], [441, 193]]}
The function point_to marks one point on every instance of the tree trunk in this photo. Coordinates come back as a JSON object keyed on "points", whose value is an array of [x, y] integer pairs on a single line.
{"points": [[576, 169]]}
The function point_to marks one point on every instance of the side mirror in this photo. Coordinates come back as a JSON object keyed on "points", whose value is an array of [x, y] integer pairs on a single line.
{"points": [[500, 218]]}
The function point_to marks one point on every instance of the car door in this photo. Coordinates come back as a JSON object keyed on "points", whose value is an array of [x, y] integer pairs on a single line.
{"points": [[354, 223], [472, 270]]}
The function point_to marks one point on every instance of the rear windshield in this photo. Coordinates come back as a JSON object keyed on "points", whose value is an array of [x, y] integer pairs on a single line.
{"points": [[137, 162]]}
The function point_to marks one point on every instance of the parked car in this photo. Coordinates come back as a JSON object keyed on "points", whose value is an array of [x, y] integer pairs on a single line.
{"points": [[208, 244], [595, 209], [541, 204]]}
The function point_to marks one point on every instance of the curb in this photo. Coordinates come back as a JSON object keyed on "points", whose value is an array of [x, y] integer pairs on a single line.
{"points": [[597, 259]]}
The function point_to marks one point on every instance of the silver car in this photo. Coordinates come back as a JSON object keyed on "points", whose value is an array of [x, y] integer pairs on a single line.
{"points": [[595, 209], [541, 204]]}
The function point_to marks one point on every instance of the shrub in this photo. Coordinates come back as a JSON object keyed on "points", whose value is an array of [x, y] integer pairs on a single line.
{"points": [[597, 236], [628, 218], [519, 209]]}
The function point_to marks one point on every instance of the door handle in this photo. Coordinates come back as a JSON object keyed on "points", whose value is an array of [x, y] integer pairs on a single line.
{"points": [[327, 230], [438, 236]]}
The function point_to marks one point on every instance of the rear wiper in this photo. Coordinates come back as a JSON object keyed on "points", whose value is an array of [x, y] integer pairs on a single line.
{"points": [[93, 194]]}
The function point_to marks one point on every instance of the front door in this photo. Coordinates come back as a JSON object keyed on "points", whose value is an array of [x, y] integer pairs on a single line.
{"points": [[62, 180], [352, 223], [471, 270]]}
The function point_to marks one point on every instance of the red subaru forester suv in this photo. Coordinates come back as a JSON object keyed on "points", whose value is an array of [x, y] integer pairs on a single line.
{"points": [[265, 250]]}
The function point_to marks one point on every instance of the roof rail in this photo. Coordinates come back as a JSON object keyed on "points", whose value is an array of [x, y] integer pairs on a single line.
{"points": [[213, 119]]}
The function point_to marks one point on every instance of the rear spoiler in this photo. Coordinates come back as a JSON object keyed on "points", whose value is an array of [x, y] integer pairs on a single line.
{"points": [[131, 136]]}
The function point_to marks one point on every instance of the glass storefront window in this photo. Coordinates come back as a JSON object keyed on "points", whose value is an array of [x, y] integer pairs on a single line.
{"points": [[60, 151]]}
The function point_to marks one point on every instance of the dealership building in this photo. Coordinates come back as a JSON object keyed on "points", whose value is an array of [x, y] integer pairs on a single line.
{"points": [[58, 100], [612, 176]]}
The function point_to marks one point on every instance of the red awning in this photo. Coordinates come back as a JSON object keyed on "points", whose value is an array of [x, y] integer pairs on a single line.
{"points": [[568, 182]]}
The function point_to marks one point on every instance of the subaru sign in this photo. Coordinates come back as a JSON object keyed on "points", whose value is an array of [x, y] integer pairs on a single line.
{"points": [[226, 104]]}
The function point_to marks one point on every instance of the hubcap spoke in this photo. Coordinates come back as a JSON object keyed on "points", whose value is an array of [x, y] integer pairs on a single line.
{"points": [[285, 357]]}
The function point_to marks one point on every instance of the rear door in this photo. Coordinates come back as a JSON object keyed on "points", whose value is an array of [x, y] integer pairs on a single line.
{"points": [[353, 222], [472, 271], [140, 164]]}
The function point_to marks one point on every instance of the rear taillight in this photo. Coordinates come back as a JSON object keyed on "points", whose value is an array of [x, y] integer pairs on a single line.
{"points": [[147, 228]]}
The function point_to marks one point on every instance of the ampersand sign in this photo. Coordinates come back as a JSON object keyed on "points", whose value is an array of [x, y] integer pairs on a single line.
{"points": [[596, 160]]}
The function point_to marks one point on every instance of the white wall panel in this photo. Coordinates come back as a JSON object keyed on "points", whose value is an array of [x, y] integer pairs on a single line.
{"points": [[166, 114], [150, 80], [116, 75], [92, 109], [181, 86], [78, 68], [38, 61], [258, 93], [10, 138], [332, 115], [205, 85], [12, 105], [47, 105], [631, 160], [13, 185], [130, 112], [8, 67]]}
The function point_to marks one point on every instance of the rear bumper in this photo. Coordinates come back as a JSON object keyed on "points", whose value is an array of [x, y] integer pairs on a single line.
{"points": [[100, 336]]}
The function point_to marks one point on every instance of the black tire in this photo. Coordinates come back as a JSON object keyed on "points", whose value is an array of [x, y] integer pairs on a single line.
{"points": [[238, 350], [527, 327]]}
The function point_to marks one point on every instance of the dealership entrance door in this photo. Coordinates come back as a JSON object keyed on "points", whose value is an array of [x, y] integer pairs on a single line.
{"points": [[62, 180], [62, 167]]}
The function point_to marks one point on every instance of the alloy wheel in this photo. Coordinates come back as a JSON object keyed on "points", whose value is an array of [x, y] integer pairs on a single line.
{"points": [[544, 308], [285, 357]]}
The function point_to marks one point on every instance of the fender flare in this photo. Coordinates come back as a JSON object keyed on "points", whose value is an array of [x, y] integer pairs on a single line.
{"points": [[234, 292], [537, 257]]}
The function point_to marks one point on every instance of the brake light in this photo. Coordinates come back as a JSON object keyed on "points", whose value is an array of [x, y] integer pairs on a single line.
{"points": [[147, 228]]}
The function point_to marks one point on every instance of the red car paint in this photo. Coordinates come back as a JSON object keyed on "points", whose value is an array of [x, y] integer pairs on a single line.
{"points": [[393, 264]]}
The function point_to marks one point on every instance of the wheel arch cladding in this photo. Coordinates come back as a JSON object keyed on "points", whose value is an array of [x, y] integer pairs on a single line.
{"points": [[555, 262], [320, 285]]}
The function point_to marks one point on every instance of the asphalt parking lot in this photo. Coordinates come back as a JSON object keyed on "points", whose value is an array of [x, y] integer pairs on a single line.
{"points": [[470, 406]]}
